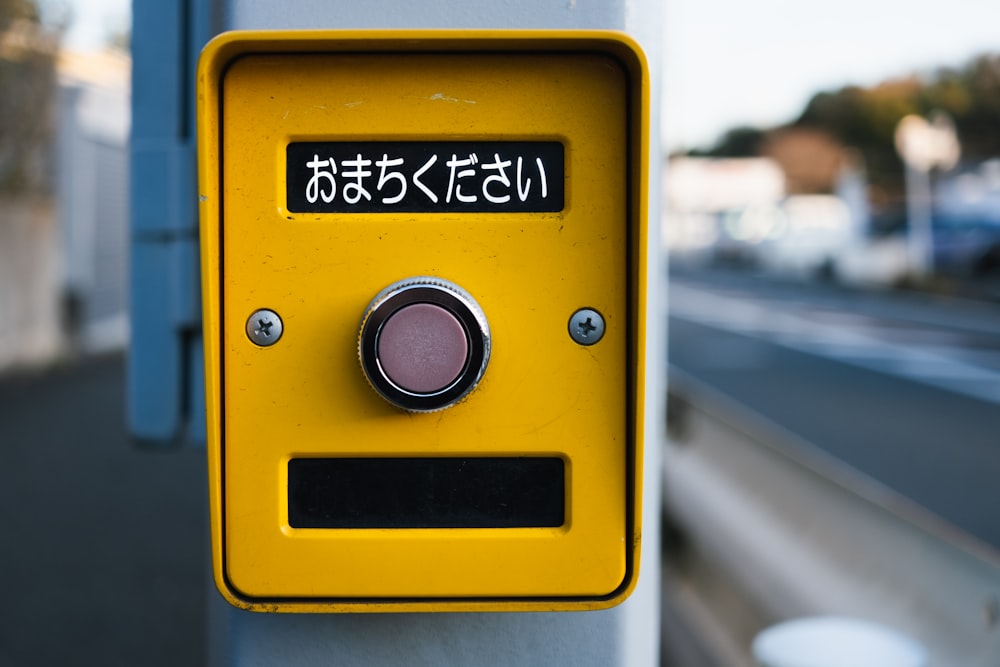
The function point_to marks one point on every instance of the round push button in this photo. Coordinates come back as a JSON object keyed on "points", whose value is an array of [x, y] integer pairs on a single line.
{"points": [[422, 348], [424, 344]]}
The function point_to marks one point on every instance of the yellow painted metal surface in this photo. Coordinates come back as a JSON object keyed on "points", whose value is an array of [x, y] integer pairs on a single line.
{"points": [[542, 394]]}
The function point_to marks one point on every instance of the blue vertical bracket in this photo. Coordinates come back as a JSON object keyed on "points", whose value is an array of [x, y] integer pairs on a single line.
{"points": [[165, 397]]}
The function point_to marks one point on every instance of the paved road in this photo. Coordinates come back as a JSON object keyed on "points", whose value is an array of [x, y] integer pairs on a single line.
{"points": [[102, 560], [903, 389]]}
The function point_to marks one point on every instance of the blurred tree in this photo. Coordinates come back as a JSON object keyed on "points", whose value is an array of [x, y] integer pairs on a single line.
{"points": [[28, 52], [738, 142], [865, 119], [12, 10], [978, 119]]}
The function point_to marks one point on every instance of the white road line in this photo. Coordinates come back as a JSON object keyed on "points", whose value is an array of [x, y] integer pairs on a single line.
{"points": [[843, 337]]}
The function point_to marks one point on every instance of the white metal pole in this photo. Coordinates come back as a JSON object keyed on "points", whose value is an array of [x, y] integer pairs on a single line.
{"points": [[918, 215], [625, 635]]}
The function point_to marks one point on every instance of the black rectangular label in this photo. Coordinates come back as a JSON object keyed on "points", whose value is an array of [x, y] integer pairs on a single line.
{"points": [[426, 492], [425, 176]]}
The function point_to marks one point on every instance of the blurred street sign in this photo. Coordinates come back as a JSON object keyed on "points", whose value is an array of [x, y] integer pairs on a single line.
{"points": [[924, 144]]}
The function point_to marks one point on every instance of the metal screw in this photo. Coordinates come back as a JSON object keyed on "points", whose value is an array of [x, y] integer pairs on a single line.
{"points": [[264, 327], [586, 326]]}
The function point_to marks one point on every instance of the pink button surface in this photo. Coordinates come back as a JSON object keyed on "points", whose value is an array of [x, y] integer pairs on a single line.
{"points": [[422, 348]]}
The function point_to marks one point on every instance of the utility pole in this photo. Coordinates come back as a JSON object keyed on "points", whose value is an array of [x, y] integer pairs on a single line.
{"points": [[624, 635]]}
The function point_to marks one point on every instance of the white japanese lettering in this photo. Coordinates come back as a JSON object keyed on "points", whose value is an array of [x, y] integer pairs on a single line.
{"points": [[541, 172], [453, 163], [384, 178], [500, 177], [420, 172], [522, 194], [354, 191], [419, 176], [314, 189]]}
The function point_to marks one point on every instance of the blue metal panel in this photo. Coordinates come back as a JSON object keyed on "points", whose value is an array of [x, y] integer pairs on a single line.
{"points": [[154, 374], [166, 400], [157, 39], [163, 185]]}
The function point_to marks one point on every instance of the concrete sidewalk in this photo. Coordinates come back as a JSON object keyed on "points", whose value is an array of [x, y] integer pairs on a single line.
{"points": [[104, 552]]}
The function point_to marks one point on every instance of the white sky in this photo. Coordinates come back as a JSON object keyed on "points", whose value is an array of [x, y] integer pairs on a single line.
{"points": [[753, 62], [757, 62], [93, 21]]}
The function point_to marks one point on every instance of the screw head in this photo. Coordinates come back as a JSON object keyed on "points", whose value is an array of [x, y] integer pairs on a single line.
{"points": [[264, 327], [586, 326]]}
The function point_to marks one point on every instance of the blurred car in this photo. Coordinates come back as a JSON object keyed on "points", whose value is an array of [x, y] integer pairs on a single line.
{"points": [[741, 231], [967, 248], [814, 231]]}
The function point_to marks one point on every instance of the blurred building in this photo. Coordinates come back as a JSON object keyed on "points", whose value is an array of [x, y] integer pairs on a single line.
{"points": [[63, 225], [801, 211], [29, 266], [717, 205], [92, 189], [812, 160]]}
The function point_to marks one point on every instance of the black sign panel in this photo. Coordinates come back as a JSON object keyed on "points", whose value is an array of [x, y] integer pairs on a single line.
{"points": [[425, 177], [426, 492]]}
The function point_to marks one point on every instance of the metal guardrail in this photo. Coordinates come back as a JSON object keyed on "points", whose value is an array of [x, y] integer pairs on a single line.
{"points": [[772, 528]]}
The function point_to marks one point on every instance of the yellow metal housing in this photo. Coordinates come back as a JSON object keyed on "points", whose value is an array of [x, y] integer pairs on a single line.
{"points": [[543, 395]]}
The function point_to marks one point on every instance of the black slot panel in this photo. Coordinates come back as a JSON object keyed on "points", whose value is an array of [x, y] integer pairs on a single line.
{"points": [[426, 492]]}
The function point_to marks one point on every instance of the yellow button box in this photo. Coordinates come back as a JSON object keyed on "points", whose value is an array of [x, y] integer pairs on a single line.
{"points": [[423, 263]]}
